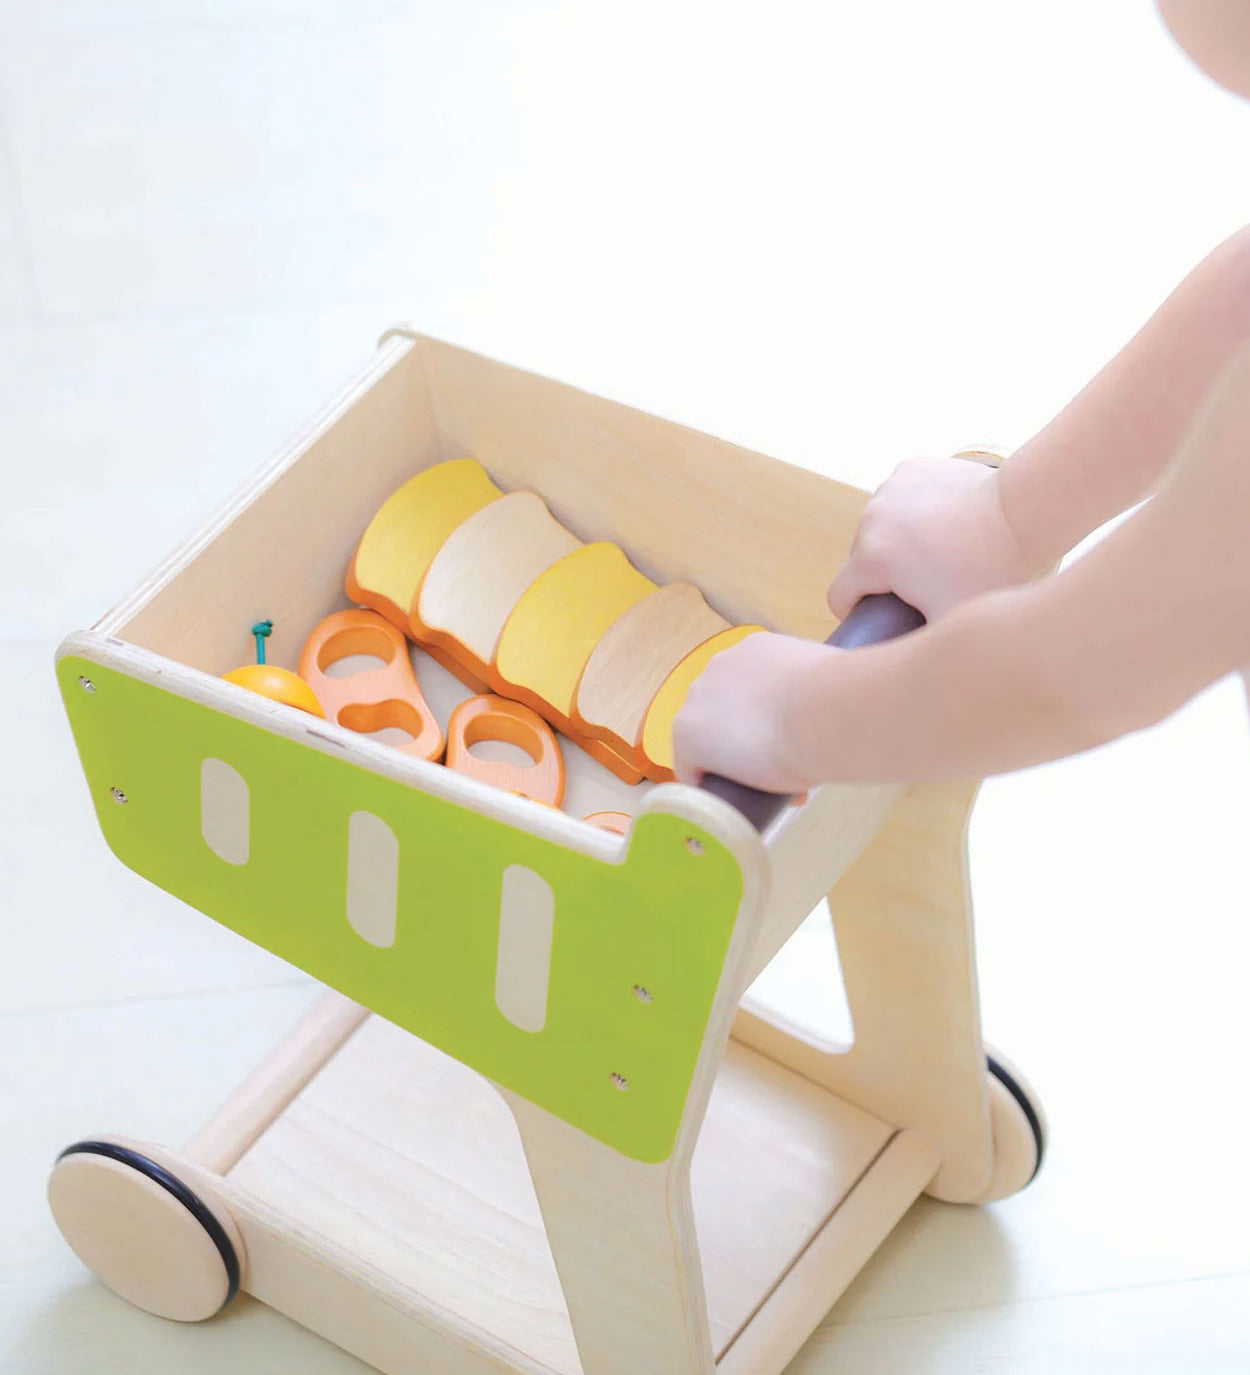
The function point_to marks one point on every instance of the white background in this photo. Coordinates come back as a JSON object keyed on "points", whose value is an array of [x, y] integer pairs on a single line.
{"points": [[838, 233]]}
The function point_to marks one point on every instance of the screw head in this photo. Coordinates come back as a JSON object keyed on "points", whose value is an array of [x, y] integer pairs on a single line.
{"points": [[85, 683], [694, 845], [644, 995], [619, 1082], [118, 796]]}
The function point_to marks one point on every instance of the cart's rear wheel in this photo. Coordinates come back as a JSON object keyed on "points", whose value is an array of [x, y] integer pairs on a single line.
{"points": [[149, 1236], [1018, 1127]]}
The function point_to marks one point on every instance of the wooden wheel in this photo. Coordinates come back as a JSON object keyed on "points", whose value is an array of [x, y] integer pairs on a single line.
{"points": [[167, 1248], [1018, 1126]]}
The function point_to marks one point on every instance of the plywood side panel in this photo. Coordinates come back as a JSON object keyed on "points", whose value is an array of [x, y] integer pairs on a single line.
{"points": [[281, 546], [762, 538]]}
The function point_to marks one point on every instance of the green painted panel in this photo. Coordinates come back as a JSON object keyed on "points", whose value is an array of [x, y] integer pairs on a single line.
{"points": [[661, 921]]}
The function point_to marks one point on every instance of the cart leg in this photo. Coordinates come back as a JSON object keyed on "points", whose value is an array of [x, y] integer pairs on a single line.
{"points": [[903, 918], [623, 1238]]}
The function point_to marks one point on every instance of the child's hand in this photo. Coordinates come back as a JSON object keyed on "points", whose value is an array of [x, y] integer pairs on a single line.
{"points": [[730, 723], [935, 534]]}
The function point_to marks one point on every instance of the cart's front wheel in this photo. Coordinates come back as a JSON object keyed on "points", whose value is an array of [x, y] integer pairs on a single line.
{"points": [[1018, 1126], [164, 1246]]}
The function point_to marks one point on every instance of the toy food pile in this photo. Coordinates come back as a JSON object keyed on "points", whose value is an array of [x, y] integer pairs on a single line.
{"points": [[494, 588], [548, 631]]}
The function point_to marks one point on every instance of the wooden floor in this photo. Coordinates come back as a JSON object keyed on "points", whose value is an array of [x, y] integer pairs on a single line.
{"points": [[795, 231]]}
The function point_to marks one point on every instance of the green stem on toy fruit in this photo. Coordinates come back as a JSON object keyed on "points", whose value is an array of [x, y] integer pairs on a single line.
{"points": [[262, 630]]}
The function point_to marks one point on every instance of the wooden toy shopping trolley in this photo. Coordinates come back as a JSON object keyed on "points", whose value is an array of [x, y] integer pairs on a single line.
{"points": [[532, 1126]]}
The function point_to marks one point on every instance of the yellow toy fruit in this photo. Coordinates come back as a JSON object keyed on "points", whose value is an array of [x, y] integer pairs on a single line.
{"points": [[279, 683]]}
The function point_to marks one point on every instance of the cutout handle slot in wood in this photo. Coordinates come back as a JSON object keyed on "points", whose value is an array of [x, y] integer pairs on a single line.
{"points": [[527, 911], [225, 811]]}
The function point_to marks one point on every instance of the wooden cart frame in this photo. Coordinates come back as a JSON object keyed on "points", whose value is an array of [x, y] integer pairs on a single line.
{"points": [[552, 1140]]}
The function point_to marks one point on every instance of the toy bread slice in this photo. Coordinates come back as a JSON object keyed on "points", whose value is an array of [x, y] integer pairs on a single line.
{"points": [[634, 659], [656, 756], [476, 579], [407, 532], [552, 631], [559, 620]]}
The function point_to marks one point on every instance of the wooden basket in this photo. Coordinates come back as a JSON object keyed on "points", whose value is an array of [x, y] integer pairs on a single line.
{"points": [[531, 1129]]}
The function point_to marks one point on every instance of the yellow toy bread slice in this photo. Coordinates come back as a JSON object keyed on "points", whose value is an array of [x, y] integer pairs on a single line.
{"points": [[635, 657], [476, 579], [655, 758], [552, 631], [558, 621], [409, 529]]}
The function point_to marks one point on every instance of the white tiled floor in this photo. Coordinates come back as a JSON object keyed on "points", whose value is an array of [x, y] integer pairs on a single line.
{"points": [[14, 265], [839, 234]]}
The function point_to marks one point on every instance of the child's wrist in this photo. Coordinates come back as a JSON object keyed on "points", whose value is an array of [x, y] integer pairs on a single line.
{"points": [[792, 746], [1016, 550], [1041, 545]]}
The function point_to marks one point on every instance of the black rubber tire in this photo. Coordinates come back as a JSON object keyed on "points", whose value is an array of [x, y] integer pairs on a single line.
{"points": [[1027, 1107]]}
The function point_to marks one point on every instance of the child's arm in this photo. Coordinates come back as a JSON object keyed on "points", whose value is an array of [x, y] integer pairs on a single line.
{"points": [[1113, 643], [1109, 446], [939, 532]]}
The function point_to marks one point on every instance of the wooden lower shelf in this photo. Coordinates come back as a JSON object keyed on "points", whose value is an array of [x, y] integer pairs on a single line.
{"points": [[398, 1154]]}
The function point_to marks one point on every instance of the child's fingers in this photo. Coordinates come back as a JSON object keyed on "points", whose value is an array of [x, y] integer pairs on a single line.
{"points": [[730, 720], [857, 578], [842, 590], [686, 750]]}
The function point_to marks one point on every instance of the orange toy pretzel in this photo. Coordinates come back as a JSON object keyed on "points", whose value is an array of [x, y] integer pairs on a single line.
{"points": [[496, 718], [376, 698]]}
